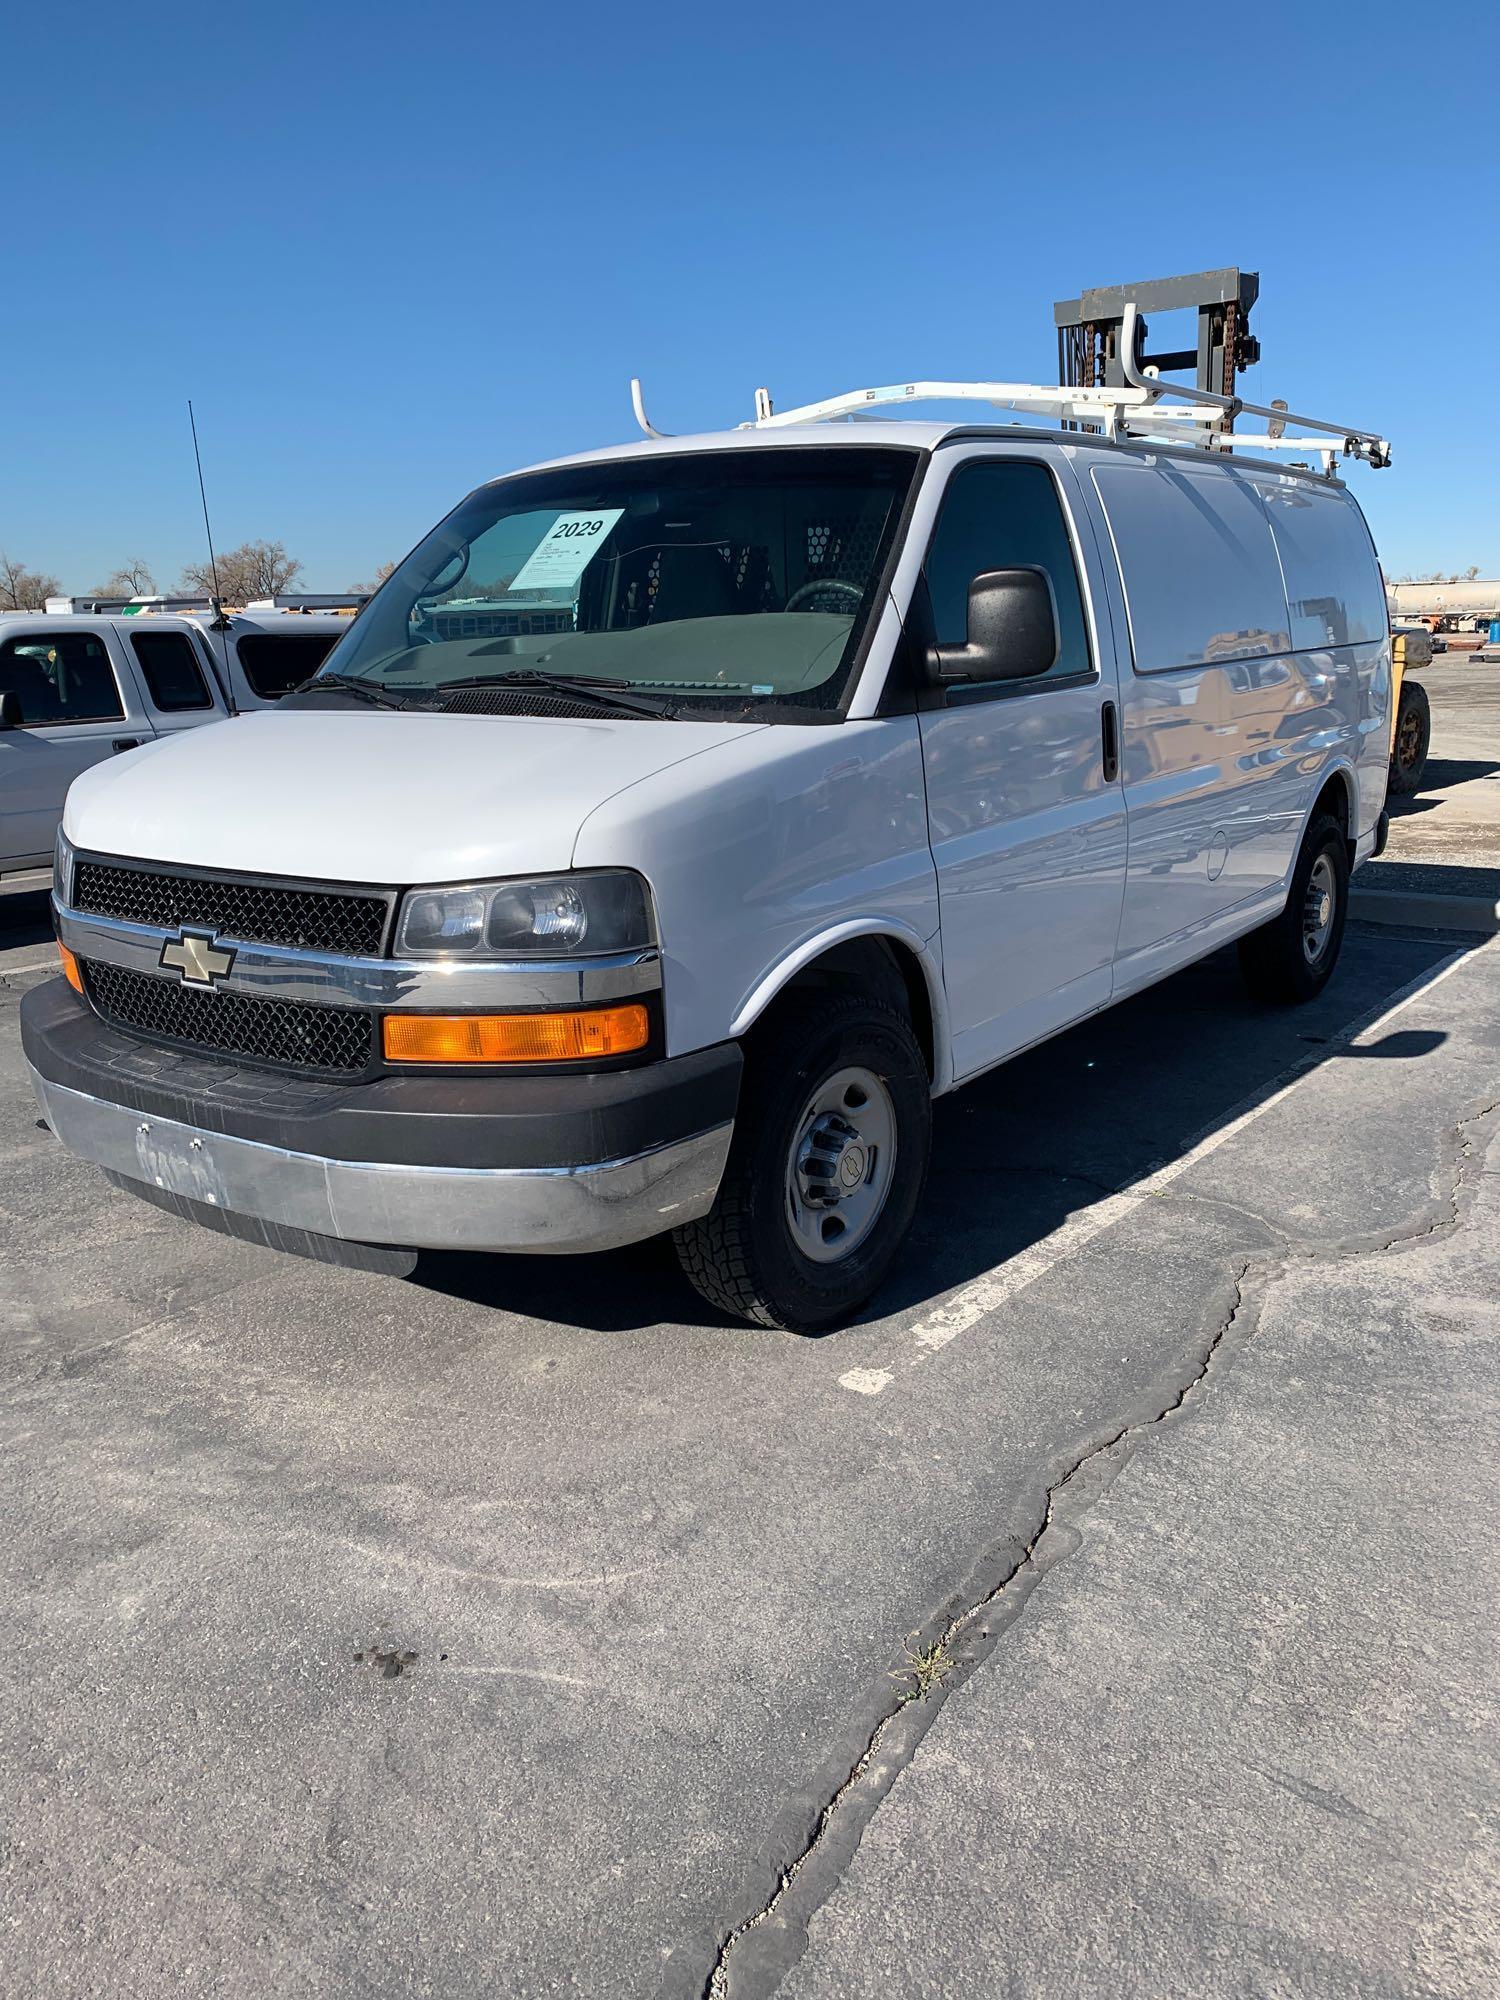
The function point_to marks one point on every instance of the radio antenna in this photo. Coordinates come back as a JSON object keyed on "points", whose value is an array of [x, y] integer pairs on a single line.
{"points": [[213, 567], [220, 622]]}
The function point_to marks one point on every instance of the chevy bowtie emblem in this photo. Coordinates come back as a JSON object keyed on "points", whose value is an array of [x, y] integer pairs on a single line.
{"points": [[197, 957]]}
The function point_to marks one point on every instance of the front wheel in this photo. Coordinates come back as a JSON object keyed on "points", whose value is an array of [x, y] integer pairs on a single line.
{"points": [[1292, 957], [826, 1169]]}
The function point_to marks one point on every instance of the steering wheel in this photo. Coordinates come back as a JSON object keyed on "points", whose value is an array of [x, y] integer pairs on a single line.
{"points": [[847, 596]]}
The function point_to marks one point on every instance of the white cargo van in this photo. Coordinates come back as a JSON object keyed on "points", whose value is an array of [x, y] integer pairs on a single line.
{"points": [[80, 686], [678, 821]]}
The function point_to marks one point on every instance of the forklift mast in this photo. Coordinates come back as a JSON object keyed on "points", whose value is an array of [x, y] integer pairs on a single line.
{"points": [[1089, 331]]}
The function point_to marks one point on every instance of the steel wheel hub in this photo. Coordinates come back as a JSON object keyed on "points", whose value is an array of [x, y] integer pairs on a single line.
{"points": [[839, 1169], [1318, 906]]}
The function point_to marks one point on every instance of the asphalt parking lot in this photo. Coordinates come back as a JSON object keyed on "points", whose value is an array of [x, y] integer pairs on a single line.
{"points": [[1111, 1610]]}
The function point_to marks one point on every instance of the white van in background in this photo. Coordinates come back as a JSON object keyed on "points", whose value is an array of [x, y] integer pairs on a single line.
{"points": [[678, 821], [79, 686]]}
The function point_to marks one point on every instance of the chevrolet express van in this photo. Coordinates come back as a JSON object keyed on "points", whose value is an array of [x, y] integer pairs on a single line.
{"points": [[679, 821]]}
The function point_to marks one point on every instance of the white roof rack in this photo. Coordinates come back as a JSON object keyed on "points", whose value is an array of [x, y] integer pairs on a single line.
{"points": [[1131, 411]]}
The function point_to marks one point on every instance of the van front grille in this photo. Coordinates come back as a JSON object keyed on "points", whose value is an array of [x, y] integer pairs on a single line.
{"points": [[308, 919], [281, 1034]]}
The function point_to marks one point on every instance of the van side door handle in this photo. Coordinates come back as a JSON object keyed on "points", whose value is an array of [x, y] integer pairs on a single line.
{"points": [[1109, 722], [125, 743]]}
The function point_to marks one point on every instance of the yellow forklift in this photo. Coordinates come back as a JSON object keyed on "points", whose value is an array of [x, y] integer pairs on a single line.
{"points": [[1411, 713]]}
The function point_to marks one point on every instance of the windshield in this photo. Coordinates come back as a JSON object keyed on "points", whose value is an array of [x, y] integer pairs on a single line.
{"points": [[723, 583]]}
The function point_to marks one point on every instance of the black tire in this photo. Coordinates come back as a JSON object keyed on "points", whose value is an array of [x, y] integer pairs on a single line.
{"points": [[1276, 962], [1413, 740], [744, 1255]]}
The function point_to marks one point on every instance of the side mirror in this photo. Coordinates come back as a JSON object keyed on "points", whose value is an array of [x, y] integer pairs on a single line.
{"points": [[1012, 631], [11, 716]]}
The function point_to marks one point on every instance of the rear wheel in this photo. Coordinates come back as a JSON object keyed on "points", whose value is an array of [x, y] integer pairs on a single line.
{"points": [[826, 1169], [1413, 739], [1292, 957]]}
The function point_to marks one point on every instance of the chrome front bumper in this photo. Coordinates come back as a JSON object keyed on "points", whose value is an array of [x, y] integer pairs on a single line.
{"points": [[534, 1209]]}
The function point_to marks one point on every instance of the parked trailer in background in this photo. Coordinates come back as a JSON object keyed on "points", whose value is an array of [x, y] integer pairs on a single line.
{"points": [[1468, 606]]}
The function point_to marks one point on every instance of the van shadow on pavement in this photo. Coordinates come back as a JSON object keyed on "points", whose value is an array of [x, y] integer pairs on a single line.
{"points": [[1019, 1151]]}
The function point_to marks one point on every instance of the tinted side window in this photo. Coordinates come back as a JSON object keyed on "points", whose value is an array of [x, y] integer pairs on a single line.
{"points": [[61, 677], [276, 662], [1003, 516], [171, 669]]}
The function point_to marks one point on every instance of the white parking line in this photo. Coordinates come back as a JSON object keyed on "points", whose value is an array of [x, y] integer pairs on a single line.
{"points": [[866, 1381], [982, 1296], [50, 963]]}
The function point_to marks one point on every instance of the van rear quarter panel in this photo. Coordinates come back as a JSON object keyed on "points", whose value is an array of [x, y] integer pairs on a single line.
{"points": [[767, 846], [1336, 609], [1238, 705]]}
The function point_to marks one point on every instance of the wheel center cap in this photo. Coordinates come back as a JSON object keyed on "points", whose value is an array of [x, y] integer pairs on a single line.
{"points": [[852, 1166], [1325, 909]]}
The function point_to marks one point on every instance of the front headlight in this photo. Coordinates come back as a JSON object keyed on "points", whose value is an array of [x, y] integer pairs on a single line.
{"points": [[62, 869], [556, 916]]}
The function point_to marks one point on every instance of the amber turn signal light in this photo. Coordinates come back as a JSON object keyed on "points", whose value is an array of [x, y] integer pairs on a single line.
{"points": [[516, 1038], [70, 968]]}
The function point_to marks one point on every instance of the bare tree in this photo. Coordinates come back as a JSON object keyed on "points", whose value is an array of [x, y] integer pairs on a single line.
{"points": [[254, 569], [23, 589], [382, 572], [132, 579], [1471, 572]]}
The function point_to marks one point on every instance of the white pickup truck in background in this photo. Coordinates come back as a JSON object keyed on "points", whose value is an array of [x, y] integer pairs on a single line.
{"points": [[78, 686]]}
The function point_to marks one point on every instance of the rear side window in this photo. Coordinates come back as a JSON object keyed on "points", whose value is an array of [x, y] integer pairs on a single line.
{"points": [[173, 676], [1333, 588], [277, 662], [61, 677], [1202, 583], [1005, 515]]}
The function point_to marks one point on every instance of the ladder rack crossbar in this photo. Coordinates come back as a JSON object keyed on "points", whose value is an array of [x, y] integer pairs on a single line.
{"points": [[1133, 408], [1132, 412], [1032, 398]]}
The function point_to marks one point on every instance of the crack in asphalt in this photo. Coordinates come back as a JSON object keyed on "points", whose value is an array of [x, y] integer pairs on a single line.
{"points": [[757, 1953]]}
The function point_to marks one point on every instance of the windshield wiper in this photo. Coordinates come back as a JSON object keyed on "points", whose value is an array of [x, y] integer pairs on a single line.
{"points": [[595, 687], [354, 684]]}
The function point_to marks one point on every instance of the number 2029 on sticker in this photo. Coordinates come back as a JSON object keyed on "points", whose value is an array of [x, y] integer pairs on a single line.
{"points": [[563, 553]]}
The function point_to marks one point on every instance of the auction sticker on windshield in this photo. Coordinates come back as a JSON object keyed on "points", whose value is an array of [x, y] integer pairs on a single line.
{"points": [[563, 553]]}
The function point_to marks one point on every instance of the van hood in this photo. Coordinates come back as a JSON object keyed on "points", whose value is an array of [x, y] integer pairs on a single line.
{"points": [[391, 799]]}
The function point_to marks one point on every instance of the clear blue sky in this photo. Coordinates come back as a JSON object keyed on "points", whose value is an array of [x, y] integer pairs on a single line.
{"points": [[393, 250]]}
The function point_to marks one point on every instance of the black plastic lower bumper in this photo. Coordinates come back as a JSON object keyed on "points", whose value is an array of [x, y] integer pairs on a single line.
{"points": [[460, 1121]]}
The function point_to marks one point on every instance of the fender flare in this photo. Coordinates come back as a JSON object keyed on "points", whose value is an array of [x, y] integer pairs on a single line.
{"points": [[1344, 770], [925, 950]]}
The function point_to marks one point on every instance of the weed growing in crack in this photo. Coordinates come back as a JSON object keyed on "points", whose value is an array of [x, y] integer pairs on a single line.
{"points": [[925, 1670]]}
